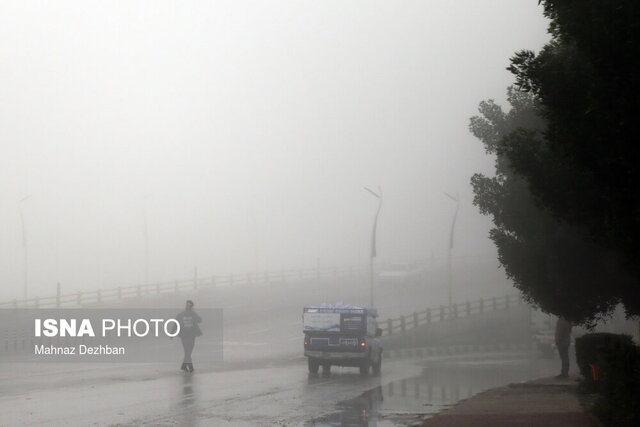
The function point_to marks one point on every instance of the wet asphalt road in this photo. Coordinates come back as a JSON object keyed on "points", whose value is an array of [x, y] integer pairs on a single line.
{"points": [[260, 393], [263, 380]]}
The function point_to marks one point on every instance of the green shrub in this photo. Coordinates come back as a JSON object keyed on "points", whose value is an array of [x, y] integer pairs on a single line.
{"points": [[619, 379], [587, 347]]}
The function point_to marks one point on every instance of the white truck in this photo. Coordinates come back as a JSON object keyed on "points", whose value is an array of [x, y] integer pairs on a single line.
{"points": [[341, 335]]}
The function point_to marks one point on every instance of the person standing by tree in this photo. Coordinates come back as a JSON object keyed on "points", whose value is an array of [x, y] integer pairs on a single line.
{"points": [[189, 330], [563, 340]]}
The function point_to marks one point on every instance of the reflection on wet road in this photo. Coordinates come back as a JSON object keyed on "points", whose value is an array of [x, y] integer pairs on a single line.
{"points": [[187, 401], [360, 411], [441, 384]]}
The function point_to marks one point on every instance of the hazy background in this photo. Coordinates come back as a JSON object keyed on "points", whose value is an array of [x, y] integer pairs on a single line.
{"points": [[244, 132]]}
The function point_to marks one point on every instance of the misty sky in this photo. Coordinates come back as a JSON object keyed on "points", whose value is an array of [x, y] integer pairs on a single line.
{"points": [[243, 131]]}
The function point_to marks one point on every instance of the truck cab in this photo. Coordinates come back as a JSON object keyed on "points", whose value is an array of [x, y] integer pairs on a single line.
{"points": [[341, 335]]}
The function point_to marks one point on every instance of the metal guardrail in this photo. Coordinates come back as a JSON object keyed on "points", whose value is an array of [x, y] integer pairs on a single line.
{"points": [[389, 327], [439, 314], [135, 291]]}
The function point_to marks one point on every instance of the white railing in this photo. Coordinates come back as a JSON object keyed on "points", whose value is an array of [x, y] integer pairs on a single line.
{"points": [[136, 291], [440, 314]]}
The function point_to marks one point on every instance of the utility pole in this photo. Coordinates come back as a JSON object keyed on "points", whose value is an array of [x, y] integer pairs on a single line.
{"points": [[146, 246], [24, 250], [373, 242], [449, 253]]}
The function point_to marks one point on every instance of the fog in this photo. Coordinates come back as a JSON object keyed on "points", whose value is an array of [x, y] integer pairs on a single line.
{"points": [[238, 136]]}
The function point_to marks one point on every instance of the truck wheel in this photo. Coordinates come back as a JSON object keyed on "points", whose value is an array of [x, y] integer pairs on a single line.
{"points": [[364, 368], [326, 368], [313, 366]]}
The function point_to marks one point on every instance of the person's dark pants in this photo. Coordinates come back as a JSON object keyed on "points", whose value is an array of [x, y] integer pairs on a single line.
{"points": [[563, 350], [188, 341]]}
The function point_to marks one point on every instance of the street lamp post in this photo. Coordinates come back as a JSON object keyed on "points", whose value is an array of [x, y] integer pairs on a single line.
{"points": [[146, 246], [145, 236], [378, 195], [449, 273], [24, 249]]}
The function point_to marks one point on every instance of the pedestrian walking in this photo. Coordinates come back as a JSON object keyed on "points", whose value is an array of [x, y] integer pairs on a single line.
{"points": [[189, 330]]}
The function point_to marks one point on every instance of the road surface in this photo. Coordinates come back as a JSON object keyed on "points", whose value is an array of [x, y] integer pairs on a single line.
{"points": [[249, 393], [264, 379]]}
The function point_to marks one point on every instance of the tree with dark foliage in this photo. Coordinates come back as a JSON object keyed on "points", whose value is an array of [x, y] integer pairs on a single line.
{"points": [[554, 264], [584, 166]]}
